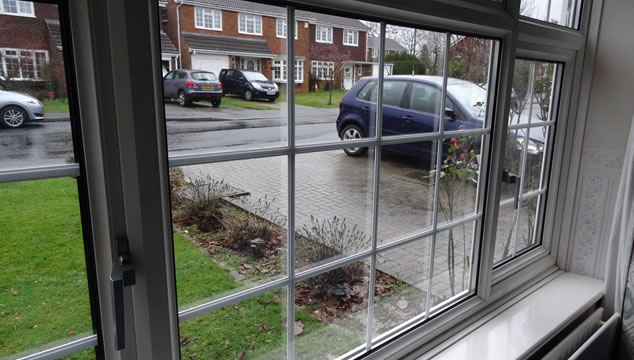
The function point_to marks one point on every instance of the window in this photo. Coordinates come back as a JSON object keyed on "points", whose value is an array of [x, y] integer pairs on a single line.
{"points": [[281, 28], [23, 64], [210, 19], [323, 70], [17, 7], [424, 98], [252, 64], [350, 37], [564, 13], [359, 70], [279, 70], [249, 24], [375, 53], [323, 34]]}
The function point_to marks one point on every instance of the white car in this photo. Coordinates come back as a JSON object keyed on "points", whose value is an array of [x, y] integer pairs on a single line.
{"points": [[17, 108]]}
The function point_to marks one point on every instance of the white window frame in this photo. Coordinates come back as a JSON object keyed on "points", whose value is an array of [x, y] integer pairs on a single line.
{"points": [[19, 12], [281, 67], [323, 34], [36, 71], [201, 13], [244, 20], [375, 53], [257, 64], [350, 37], [281, 28], [323, 70]]}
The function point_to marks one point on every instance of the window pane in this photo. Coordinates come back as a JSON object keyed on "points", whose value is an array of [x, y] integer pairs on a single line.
{"points": [[526, 226], [43, 277], [230, 229], [535, 158], [560, 12], [505, 233], [339, 298], [333, 206]]}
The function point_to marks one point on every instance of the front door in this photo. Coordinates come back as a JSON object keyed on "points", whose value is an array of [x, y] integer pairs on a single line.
{"points": [[348, 77]]}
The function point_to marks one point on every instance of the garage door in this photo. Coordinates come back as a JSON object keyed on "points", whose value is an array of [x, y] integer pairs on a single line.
{"points": [[213, 63]]}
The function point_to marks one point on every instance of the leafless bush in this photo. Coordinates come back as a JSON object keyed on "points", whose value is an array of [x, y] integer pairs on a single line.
{"points": [[177, 182], [325, 239], [201, 203]]}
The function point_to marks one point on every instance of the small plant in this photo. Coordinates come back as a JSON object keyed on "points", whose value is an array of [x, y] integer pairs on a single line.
{"points": [[201, 203], [177, 182], [325, 239]]}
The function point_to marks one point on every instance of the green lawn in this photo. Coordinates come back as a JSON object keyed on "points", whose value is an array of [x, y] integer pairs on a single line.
{"points": [[237, 102], [317, 99], [55, 106]]}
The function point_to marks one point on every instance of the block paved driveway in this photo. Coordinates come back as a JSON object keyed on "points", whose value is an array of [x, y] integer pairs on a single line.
{"points": [[332, 184]]}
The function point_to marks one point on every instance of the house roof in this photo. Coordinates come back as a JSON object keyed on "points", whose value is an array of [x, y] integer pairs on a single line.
{"points": [[54, 30], [167, 47], [222, 43], [390, 44], [272, 10]]}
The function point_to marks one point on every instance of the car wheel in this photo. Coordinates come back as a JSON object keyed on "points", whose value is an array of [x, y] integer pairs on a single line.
{"points": [[182, 99], [248, 96], [352, 132], [13, 117], [215, 103]]}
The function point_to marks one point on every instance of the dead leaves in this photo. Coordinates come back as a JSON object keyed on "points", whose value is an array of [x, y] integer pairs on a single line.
{"points": [[298, 329]]}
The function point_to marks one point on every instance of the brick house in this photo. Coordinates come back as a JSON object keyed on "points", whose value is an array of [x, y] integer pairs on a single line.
{"points": [[218, 34], [31, 59], [169, 52]]}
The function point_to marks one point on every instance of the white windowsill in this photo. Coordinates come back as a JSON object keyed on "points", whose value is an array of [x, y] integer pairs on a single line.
{"points": [[521, 329]]}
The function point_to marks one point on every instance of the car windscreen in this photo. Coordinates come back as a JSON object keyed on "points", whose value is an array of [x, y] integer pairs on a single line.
{"points": [[204, 76], [471, 96], [255, 76]]}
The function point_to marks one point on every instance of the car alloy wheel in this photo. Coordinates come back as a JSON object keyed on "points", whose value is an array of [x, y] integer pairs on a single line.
{"points": [[13, 117], [248, 95], [181, 98], [352, 132]]}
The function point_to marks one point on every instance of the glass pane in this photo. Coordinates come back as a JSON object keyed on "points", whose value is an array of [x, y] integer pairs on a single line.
{"points": [[543, 91], [535, 153], [560, 12], [230, 231], [526, 224], [43, 277], [512, 163], [339, 68], [35, 126], [505, 233], [400, 290], [468, 83], [406, 191], [339, 298], [410, 51], [452, 263], [521, 91], [250, 329], [243, 105], [333, 206]]}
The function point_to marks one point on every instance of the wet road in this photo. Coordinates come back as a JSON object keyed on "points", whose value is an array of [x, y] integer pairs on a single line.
{"points": [[50, 143]]}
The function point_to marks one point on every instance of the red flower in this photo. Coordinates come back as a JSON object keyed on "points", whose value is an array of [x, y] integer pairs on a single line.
{"points": [[453, 141]]}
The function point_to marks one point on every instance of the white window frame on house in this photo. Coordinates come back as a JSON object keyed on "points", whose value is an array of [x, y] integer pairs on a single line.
{"points": [[375, 53], [249, 20], [19, 4], [203, 16], [279, 73], [19, 55], [257, 64], [350, 37], [323, 34], [323, 70], [281, 29]]}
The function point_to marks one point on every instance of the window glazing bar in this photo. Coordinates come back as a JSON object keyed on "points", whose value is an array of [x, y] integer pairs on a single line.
{"points": [[290, 291], [524, 197], [64, 349], [531, 125], [39, 173]]}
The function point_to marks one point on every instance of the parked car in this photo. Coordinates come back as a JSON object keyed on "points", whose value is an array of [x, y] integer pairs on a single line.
{"points": [[248, 84], [192, 85], [411, 105], [17, 108]]}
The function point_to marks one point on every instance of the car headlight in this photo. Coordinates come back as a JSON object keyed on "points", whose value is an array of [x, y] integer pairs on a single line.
{"points": [[32, 101], [257, 86], [276, 88]]}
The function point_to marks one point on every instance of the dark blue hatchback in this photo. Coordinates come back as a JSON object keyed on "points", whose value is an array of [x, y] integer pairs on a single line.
{"points": [[411, 105]]}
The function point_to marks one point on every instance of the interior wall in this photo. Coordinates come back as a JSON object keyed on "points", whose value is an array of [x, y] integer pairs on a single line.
{"points": [[609, 117]]}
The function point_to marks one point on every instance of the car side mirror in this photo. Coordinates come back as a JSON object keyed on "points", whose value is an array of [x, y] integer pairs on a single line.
{"points": [[450, 113]]}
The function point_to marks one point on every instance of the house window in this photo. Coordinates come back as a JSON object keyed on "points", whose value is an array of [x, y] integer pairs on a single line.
{"points": [[279, 70], [323, 34], [324, 70], [249, 24], [351, 37], [281, 29], [17, 7], [18, 64], [251, 64], [359, 70], [210, 19], [375, 53]]}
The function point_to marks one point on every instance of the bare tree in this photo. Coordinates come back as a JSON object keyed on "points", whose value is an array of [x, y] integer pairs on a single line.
{"points": [[339, 58]]}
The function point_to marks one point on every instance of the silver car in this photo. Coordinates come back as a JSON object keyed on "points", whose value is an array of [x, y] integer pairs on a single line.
{"points": [[17, 108]]}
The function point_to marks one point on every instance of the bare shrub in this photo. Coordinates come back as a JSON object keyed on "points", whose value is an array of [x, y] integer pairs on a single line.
{"points": [[201, 203], [325, 239], [256, 220], [177, 182]]}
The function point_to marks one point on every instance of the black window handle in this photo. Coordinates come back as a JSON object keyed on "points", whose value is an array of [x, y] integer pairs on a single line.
{"points": [[511, 178], [122, 276]]}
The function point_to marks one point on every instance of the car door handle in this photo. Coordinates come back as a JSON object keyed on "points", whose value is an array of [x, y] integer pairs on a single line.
{"points": [[408, 118], [365, 108]]}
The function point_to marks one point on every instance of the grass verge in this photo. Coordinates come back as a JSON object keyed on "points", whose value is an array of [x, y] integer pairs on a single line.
{"points": [[55, 106], [317, 99], [239, 103]]}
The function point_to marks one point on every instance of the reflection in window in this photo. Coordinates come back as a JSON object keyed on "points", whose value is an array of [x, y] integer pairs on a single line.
{"points": [[560, 12]]}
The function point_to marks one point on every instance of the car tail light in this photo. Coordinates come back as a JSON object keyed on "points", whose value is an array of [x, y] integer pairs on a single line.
{"points": [[190, 84], [219, 84]]}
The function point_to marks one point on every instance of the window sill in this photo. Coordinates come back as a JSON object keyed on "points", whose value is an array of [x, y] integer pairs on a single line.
{"points": [[518, 331], [20, 15]]}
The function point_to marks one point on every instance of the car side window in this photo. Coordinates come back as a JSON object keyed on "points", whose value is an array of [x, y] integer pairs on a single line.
{"points": [[182, 75], [366, 88], [228, 74], [392, 92], [424, 98], [238, 75], [459, 115], [170, 75]]}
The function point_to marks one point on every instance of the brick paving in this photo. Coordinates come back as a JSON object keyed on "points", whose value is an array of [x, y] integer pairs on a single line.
{"points": [[330, 184]]}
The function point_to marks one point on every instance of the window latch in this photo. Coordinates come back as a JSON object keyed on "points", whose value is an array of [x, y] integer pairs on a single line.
{"points": [[122, 276], [511, 178]]}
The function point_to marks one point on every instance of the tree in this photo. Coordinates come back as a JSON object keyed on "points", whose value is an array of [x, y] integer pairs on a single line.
{"points": [[405, 64], [339, 58], [435, 43]]}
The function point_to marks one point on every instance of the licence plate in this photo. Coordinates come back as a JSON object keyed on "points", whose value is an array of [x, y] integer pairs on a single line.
{"points": [[207, 87], [270, 92]]}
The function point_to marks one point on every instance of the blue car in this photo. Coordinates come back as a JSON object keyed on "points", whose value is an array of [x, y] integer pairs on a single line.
{"points": [[411, 105]]}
